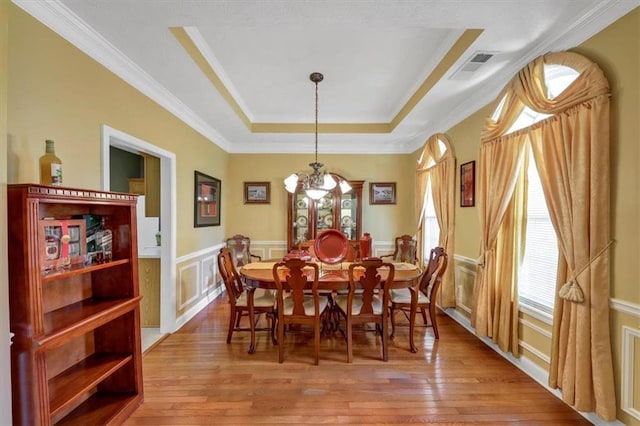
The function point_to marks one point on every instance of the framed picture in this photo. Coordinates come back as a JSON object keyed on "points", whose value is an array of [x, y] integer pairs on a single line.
{"points": [[257, 192], [468, 184], [382, 193], [206, 207]]}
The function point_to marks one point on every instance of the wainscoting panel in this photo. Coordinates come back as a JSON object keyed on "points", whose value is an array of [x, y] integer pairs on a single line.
{"points": [[630, 393], [210, 278], [188, 284], [465, 275]]}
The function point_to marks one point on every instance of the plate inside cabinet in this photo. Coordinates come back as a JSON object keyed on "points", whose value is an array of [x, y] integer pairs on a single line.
{"points": [[301, 220], [346, 204], [346, 221], [301, 204], [328, 220], [331, 246], [324, 203]]}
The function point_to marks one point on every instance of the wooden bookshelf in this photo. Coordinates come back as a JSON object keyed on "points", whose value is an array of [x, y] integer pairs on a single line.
{"points": [[76, 354]]}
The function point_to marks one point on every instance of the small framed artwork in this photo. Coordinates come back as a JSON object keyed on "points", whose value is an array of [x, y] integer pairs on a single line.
{"points": [[257, 192], [382, 193], [206, 207], [468, 184]]}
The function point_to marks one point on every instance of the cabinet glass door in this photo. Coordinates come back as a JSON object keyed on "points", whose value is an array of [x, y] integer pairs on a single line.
{"points": [[324, 216], [348, 215], [301, 220]]}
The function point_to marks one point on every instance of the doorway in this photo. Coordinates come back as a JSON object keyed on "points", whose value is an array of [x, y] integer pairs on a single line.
{"points": [[115, 138]]}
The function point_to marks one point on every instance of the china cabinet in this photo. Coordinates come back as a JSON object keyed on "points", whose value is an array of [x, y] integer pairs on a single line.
{"points": [[76, 354], [306, 217]]}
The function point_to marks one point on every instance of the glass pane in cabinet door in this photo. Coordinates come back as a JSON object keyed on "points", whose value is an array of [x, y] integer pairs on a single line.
{"points": [[300, 219], [348, 208], [325, 212]]}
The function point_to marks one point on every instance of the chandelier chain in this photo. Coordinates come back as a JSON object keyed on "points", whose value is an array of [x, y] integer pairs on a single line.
{"points": [[316, 82]]}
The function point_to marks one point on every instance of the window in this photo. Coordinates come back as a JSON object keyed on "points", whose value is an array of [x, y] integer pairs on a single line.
{"points": [[431, 232], [538, 271], [537, 275]]}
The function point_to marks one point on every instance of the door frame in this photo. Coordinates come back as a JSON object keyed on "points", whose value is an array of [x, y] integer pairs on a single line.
{"points": [[116, 138]]}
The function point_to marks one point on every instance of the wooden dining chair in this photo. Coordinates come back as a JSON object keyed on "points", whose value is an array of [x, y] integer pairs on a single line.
{"points": [[425, 294], [406, 250], [249, 303], [240, 248], [294, 304], [369, 305]]}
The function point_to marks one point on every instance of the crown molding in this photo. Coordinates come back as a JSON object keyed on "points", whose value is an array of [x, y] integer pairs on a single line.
{"points": [[69, 26], [64, 22]]}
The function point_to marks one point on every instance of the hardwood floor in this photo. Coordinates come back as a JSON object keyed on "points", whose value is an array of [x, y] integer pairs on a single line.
{"points": [[194, 377]]}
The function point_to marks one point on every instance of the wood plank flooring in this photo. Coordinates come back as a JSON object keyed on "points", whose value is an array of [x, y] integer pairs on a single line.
{"points": [[194, 377]]}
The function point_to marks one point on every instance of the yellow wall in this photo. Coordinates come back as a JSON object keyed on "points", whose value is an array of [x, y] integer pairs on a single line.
{"points": [[57, 92], [5, 386], [268, 221], [617, 50]]}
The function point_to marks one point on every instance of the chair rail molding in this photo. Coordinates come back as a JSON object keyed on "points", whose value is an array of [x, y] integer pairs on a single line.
{"points": [[625, 306]]}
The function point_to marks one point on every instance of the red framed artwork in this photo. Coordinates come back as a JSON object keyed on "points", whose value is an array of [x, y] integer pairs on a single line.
{"points": [[468, 184], [206, 209]]}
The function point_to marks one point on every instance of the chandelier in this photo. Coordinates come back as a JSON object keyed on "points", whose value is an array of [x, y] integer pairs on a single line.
{"points": [[317, 183]]}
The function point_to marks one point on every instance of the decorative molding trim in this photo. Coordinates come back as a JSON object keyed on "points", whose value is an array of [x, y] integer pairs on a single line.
{"points": [[627, 396], [536, 328], [204, 288], [544, 357], [465, 259], [463, 307], [72, 28], [199, 253], [624, 306], [527, 366], [181, 303], [535, 313]]}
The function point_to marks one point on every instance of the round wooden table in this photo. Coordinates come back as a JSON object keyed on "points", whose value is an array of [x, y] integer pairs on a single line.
{"points": [[333, 278]]}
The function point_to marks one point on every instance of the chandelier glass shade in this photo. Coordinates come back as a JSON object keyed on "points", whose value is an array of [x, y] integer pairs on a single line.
{"points": [[316, 183]]}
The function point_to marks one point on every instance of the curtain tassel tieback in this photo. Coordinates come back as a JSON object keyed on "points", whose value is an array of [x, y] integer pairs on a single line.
{"points": [[481, 260], [571, 290]]}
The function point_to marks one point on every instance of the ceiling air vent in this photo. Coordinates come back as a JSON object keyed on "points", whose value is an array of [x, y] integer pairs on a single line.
{"points": [[471, 66]]}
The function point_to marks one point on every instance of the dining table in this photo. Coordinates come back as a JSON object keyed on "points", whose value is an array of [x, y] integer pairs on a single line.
{"points": [[333, 278]]}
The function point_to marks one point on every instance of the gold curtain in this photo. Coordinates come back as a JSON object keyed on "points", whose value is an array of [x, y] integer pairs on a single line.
{"points": [[438, 166], [572, 155], [571, 150], [495, 301]]}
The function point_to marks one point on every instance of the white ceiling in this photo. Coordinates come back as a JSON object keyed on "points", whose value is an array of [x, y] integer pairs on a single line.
{"points": [[374, 54]]}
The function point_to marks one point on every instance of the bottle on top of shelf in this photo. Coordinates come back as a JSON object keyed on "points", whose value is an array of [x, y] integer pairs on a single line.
{"points": [[50, 166]]}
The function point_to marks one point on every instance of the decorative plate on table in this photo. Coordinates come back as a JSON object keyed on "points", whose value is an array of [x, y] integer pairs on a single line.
{"points": [[328, 220], [346, 204], [346, 221], [331, 246], [301, 220]]}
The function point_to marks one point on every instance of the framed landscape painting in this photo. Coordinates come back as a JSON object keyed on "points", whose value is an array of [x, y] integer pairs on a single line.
{"points": [[257, 192], [382, 193]]}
